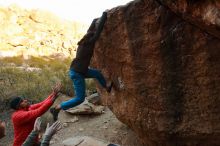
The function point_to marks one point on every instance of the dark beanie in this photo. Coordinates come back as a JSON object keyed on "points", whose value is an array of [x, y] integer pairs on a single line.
{"points": [[15, 102]]}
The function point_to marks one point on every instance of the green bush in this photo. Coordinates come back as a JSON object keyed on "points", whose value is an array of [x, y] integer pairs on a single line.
{"points": [[36, 85], [15, 60]]}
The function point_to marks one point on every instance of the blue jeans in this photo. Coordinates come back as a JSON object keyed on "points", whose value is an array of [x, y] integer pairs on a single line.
{"points": [[80, 86]]}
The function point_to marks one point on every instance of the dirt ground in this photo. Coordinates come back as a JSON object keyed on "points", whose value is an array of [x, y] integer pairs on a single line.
{"points": [[105, 127]]}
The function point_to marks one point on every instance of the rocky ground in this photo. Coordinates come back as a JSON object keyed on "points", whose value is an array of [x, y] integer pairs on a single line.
{"points": [[104, 127]]}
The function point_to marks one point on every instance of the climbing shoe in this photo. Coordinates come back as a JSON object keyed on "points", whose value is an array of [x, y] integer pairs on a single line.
{"points": [[109, 87], [54, 113]]}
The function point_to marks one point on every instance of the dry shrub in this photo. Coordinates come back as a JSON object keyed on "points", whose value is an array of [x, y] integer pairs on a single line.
{"points": [[36, 85]]}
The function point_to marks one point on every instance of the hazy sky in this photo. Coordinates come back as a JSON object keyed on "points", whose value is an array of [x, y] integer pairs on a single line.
{"points": [[80, 10]]}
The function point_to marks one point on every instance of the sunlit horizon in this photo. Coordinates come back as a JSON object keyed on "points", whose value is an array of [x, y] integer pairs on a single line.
{"points": [[75, 10]]}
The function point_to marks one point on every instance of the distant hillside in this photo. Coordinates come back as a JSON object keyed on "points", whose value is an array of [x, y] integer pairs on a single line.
{"points": [[37, 33]]}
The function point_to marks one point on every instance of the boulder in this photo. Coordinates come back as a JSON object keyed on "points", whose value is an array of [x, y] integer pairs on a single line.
{"points": [[86, 108], [204, 14], [94, 98], [165, 65]]}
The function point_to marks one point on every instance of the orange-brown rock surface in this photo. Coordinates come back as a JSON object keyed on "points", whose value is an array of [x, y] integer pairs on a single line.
{"points": [[205, 14], [164, 59]]}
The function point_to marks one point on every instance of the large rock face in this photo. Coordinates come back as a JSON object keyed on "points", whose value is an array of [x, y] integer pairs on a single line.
{"points": [[37, 33], [165, 64]]}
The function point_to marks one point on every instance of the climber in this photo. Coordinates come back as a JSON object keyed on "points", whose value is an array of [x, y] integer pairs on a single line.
{"points": [[79, 68], [25, 114], [50, 131]]}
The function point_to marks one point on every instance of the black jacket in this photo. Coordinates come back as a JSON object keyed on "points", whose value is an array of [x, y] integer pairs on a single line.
{"points": [[85, 49]]}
